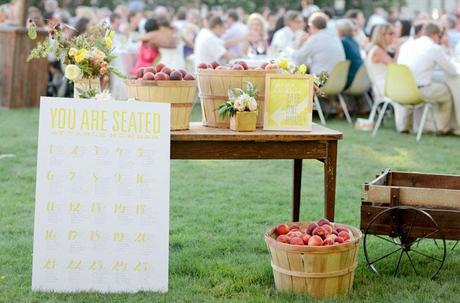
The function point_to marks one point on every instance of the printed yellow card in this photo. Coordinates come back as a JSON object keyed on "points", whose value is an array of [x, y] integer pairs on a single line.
{"points": [[288, 102]]}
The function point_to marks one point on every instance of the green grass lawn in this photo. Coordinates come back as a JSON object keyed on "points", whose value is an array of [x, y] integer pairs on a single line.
{"points": [[218, 217]]}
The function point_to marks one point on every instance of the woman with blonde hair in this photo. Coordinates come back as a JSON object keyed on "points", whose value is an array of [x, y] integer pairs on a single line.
{"points": [[256, 39]]}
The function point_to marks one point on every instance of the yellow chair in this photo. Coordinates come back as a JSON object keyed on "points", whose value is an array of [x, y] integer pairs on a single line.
{"points": [[401, 88], [361, 85], [334, 87]]}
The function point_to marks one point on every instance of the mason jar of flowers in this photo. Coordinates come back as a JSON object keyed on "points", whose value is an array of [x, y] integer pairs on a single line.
{"points": [[241, 107], [86, 57]]}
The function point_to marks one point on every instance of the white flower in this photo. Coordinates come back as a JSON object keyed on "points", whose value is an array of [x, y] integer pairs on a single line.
{"points": [[239, 105], [73, 72], [252, 104], [104, 96]]}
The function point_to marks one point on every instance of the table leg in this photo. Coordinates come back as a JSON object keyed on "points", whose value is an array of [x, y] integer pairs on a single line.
{"points": [[330, 167], [296, 189]]}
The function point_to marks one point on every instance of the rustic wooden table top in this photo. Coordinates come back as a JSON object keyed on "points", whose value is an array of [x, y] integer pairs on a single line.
{"points": [[198, 132]]}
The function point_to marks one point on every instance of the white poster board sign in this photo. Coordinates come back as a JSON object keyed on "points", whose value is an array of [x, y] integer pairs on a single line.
{"points": [[102, 196]]}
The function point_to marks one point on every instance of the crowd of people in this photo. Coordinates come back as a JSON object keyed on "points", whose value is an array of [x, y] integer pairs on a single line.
{"points": [[310, 35]]}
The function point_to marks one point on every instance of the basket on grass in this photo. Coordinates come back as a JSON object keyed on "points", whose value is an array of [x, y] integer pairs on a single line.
{"points": [[213, 88], [180, 94], [320, 271]]}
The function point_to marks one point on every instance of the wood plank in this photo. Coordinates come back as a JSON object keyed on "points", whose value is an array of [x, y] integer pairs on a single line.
{"points": [[424, 180], [447, 220], [330, 168], [198, 132], [247, 150]]}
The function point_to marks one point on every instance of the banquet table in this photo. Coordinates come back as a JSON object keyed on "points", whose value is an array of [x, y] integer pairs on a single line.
{"points": [[200, 143]]}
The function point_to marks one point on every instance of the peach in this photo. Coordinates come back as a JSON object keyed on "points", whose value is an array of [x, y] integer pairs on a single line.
{"points": [[339, 240], [315, 241], [319, 231], [189, 77], [202, 66], [311, 227], [327, 228], [166, 70], [175, 75], [282, 229], [333, 237], [341, 228], [149, 69], [324, 221], [210, 66], [305, 238], [215, 64], [263, 65], [294, 227], [237, 66], [344, 235], [140, 72], [328, 242], [149, 76], [161, 76], [271, 66], [159, 67], [243, 64], [294, 233], [283, 239], [296, 241], [183, 72]]}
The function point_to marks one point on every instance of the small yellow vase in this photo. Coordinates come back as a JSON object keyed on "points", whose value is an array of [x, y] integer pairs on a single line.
{"points": [[243, 121]]}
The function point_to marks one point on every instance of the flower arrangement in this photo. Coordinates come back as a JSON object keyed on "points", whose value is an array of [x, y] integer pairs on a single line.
{"points": [[87, 56], [290, 68], [239, 100]]}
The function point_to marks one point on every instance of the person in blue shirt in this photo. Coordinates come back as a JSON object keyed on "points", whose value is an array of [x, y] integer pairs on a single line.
{"points": [[346, 30]]}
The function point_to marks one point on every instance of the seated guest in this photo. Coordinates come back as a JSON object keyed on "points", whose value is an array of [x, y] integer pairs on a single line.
{"points": [[235, 33], [285, 39], [402, 32], [449, 22], [209, 46], [256, 42], [422, 55], [322, 50], [358, 19], [346, 30]]}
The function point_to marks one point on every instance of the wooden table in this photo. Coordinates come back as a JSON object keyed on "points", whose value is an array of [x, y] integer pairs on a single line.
{"points": [[201, 142]]}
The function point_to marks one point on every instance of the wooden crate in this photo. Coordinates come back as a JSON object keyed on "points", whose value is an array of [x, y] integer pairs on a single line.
{"points": [[213, 88], [22, 83], [321, 271], [438, 195]]}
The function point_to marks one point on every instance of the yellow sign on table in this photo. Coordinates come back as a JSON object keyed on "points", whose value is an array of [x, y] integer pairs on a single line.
{"points": [[288, 102]]}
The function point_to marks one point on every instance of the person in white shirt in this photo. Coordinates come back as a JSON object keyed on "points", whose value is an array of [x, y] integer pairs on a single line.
{"points": [[308, 7], [287, 38], [378, 17], [421, 56], [209, 47], [322, 50], [235, 34]]}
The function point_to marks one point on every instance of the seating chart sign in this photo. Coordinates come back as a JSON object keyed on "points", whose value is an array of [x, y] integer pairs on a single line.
{"points": [[288, 102], [102, 196]]}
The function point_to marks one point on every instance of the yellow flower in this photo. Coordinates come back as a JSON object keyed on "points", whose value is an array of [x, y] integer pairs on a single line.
{"points": [[283, 63], [72, 52], [73, 72], [81, 55], [302, 69], [108, 41]]}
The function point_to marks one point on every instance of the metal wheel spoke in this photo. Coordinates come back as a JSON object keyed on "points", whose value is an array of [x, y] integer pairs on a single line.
{"points": [[385, 256], [455, 245], [424, 237], [385, 239], [399, 262], [412, 263], [435, 243], [425, 255]]}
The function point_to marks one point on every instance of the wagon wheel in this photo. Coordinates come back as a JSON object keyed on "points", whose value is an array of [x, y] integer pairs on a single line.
{"points": [[405, 240]]}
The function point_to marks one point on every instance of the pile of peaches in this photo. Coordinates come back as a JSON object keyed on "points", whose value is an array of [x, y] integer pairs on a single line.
{"points": [[321, 233], [237, 65], [162, 72]]}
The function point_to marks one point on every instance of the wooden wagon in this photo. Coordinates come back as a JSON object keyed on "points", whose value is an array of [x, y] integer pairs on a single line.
{"points": [[407, 218]]}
